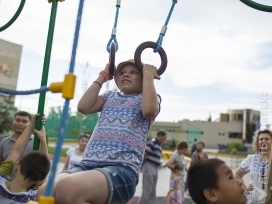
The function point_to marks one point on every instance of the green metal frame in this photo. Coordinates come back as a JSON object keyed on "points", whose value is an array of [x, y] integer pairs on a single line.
{"points": [[15, 16], [257, 6], [46, 65]]}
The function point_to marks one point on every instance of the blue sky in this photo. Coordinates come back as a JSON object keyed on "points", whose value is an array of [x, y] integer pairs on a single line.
{"points": [[219, 52]]}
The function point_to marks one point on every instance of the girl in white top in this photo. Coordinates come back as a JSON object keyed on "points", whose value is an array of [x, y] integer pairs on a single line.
{"points": [[74, 154], [257, 165], [178, 158]]}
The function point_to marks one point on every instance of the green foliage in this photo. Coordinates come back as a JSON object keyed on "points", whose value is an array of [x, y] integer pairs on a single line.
{"points": [[51, 150], [76, 123], [149, 136], [173, 143], [233, 151], [75, 132], [7, 111], [169, 144], [235, 145]]}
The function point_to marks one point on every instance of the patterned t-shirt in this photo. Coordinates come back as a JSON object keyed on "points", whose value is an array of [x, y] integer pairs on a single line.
{"points": [[120, 133], [7, 197]]}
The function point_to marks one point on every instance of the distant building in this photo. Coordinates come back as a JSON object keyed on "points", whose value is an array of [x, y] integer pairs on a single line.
{"points": [[10, 57], [235, 125]]}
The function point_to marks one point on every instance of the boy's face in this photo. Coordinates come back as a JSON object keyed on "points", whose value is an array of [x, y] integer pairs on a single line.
{"points": [[130, 80], [229, 189]]}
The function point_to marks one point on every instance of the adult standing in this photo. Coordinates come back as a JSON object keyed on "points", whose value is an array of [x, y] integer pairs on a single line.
{"points": [[20, 121], [150, 166], [257, 165], [74, 154], [193, 146], [178, 157], [199, 154]]}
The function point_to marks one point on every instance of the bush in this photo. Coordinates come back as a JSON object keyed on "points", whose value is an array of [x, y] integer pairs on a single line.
{"points": [[239, 146], [233, 151], [51, 150]]}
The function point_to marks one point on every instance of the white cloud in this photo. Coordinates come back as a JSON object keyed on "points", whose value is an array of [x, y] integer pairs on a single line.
{"points": [[207, 43]]}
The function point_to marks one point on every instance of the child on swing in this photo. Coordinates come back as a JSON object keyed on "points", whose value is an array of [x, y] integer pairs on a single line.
{"points": [[110, 167], [174, 195]]}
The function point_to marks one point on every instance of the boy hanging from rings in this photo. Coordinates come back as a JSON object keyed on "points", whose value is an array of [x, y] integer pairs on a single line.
{"points": [[109, 170]]}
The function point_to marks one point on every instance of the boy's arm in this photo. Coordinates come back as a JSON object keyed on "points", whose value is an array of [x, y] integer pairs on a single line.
{"points": [[42, 136], [1, 160], [20, 145], [1, 152], [90, 101], [150, 107]]}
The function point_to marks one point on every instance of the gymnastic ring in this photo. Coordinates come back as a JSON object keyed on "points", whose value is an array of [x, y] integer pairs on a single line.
{"points": [[257, 6], [112, 60], [141, 48]]}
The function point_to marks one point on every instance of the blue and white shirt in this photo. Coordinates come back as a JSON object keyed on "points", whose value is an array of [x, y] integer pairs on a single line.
{"points": [[258, 177], [154, 152], [7, 197], [120, 133]]}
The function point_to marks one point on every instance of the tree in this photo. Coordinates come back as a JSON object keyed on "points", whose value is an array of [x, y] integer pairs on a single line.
{"points": [[7, 111], [76, 123]]}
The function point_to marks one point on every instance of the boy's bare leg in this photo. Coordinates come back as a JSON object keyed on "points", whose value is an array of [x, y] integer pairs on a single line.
{"points": [[82, 187], [41, 189]]}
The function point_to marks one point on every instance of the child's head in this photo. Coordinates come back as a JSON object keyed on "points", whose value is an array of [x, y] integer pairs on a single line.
{"points": [[128, 78], [212, 181], [34, 166], [177, 169]]}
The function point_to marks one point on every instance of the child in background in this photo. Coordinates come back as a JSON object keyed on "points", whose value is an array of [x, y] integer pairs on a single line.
{"points": [[174, 195]]}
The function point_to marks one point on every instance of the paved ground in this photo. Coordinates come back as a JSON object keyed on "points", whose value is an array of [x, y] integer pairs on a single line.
{"points": [[163, 182]]}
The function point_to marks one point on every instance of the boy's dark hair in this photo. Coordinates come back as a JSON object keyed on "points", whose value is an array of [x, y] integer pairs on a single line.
{"points": [[23, 113], [161, 133], [34, 166], [202, 175]]}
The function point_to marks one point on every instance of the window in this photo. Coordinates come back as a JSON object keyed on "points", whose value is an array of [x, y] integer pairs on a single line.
{"points": [[240, 117], [236, 135]]}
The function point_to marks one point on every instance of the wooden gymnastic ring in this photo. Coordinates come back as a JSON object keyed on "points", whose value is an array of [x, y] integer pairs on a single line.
{"points": [[112, 60], [141, 48]]}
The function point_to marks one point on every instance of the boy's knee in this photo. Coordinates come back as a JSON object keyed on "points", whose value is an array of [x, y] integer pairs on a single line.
{"points": [[63, 192]]}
